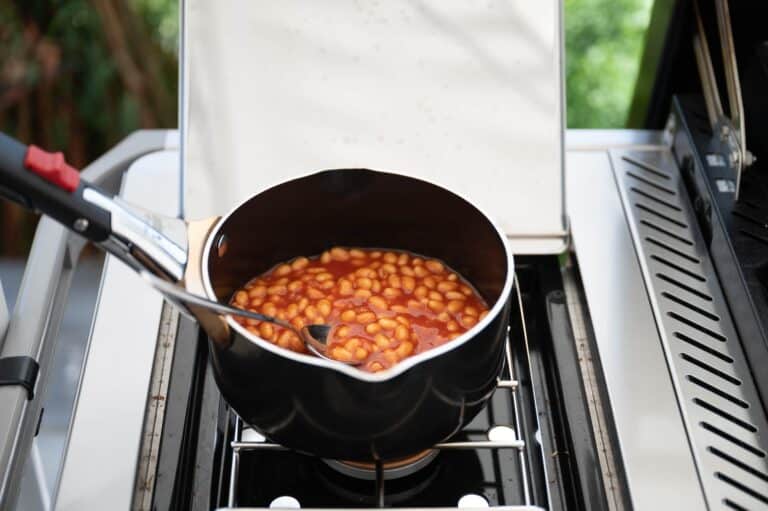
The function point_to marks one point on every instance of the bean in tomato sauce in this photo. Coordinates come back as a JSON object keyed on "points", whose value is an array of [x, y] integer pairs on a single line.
{"points": [[383, 305]]}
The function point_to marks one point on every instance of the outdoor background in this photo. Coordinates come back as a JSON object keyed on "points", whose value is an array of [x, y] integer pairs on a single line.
{"points": [[79, 75]]}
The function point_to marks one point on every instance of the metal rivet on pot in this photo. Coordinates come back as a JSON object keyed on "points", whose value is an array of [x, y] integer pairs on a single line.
{"points": [[81, 224], [222, 244], [473, 501], [285, 502]]}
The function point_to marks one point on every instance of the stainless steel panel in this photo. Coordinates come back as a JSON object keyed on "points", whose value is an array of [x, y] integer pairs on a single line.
{"points": [[4, 314], [652, 442], [102, 455], [32, 332], [726, 423], [146, 472], [35, 492], [588, 365], [36, 316], [464, 94], [491, 508], [601, 140]]}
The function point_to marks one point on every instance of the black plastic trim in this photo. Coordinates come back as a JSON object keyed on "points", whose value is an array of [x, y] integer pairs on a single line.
{"points": [[19, 371], [20, 185], [575, 477], [737, 259]]}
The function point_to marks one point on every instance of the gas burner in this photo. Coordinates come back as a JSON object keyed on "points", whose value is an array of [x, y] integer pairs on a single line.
{"points": [[404, 480], [395, 469]]}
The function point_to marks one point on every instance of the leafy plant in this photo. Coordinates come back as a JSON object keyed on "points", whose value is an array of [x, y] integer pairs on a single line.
{"points": [[604, 41], [78, 76]]}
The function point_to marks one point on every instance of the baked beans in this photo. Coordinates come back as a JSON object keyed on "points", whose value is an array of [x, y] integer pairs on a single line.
{"points": [[382, 305]]}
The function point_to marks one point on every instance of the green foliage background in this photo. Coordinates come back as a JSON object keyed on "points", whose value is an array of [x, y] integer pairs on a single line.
{"points": [[79, 75], [604, 41]]}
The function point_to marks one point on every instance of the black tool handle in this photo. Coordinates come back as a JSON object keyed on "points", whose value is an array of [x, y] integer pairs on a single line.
{"points": [[43, 182]]}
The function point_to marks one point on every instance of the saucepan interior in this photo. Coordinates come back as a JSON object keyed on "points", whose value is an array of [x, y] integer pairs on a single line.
{"points": [[361, 208]]}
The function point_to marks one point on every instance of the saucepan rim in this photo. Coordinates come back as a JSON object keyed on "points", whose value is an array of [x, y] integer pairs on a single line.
{"points": [[348, 370]]}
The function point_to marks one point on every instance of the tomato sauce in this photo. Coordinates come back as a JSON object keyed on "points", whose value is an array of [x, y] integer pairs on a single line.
{"points": [[383, 305]]}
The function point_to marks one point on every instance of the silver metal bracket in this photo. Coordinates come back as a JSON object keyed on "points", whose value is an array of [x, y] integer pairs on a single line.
{"points": [[730, 130], [137, 233]]}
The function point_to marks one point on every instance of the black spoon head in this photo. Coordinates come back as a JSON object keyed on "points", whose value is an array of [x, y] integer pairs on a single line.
{"points": [[318, 333]]}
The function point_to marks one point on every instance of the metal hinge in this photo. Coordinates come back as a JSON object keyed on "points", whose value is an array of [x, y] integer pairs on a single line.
{"points": [[730, 130]]}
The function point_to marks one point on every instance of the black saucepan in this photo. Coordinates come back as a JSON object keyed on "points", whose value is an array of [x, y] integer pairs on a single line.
{"points": [[304, 402]]}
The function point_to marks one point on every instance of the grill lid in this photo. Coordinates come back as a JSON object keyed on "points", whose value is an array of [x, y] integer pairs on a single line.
{"points": [[465, 95]]}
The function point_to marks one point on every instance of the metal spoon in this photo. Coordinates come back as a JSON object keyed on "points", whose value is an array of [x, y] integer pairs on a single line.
{"points": [[314, 337]]}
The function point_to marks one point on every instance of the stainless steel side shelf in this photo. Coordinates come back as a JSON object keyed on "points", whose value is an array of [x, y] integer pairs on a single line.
{"points": [[725, 422]]}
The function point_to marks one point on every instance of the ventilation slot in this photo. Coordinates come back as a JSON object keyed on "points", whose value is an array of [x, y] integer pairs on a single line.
{"points": [[727, 457], [696, 326], [751, 219], [673, 250], [703, 347], [731, 504], [655, 199], [666, 232], [706, 386], [748, 203], [725, 415], [661, 244], [647, 167], [684, 287], [713, 370], [690, 306], [754, 236], [655, 213], [651, 183], [735, 441], [746, 489], [678, 268]]}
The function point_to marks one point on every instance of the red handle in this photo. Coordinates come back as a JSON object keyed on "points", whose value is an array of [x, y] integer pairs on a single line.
{"points": [[52, 168]]}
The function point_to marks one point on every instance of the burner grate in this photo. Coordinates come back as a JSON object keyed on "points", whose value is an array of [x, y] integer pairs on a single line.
{"points": [[520, 453], [498, 437]]}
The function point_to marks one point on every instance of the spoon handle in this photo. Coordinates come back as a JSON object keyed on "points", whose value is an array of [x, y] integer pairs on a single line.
{"points": [[178, 294]]}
